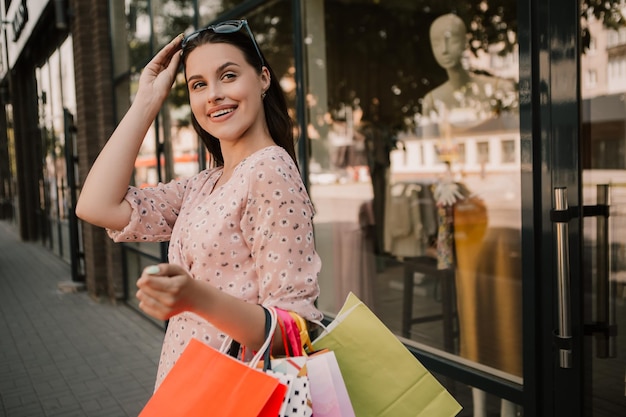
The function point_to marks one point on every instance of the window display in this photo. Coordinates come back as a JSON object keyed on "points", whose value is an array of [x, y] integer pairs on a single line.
{"points": [[415, 174]]}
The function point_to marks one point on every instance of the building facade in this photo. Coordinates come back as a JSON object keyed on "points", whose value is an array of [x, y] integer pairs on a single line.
{"points": [[510, 287]]}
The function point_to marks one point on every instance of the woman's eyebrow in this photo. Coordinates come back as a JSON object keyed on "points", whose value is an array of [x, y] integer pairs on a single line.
{"points": [[193, 77], [225, 65], [219, 69]]}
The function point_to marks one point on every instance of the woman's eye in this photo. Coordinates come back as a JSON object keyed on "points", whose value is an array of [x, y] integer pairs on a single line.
{"points": [[197, 85], [229, 75]]}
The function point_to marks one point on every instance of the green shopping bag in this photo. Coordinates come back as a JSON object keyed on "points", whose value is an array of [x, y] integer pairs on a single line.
{"points": [[382, 377]]}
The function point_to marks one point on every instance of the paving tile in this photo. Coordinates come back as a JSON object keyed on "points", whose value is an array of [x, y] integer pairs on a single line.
{"points": [[28, 410], [63, 354]]}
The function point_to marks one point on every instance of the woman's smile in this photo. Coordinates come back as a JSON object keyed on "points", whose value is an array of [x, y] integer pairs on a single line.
{"points": [[221, 112]]}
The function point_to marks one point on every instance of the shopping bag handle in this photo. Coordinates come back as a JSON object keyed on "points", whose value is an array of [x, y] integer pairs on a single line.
{"points": [[264, 352]]}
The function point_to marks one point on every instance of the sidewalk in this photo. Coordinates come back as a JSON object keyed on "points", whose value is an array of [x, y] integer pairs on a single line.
{"points": [[63, 354]]}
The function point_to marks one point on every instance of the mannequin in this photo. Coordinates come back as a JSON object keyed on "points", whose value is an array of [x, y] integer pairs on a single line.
{"points": [[467, 97]]}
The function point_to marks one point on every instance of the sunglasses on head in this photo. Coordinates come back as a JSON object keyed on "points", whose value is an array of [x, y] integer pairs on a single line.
{"points": [[229, 26]]}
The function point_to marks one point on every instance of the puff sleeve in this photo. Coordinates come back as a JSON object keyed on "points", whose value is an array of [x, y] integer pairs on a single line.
{"points": [[154, 212]]}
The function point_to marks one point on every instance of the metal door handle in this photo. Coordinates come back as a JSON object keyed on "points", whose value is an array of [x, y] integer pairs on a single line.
{"points": [[606, 342], [564, 332]]}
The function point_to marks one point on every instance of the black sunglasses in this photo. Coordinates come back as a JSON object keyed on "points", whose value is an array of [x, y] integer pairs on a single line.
{"points": [[229, 26]]}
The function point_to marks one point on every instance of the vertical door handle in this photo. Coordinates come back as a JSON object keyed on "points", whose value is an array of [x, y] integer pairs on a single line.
{"points": [[606, 342], [564, 332]]}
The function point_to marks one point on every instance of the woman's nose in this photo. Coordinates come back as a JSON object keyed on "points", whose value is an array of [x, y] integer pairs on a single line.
{"points": [[214, 93]]}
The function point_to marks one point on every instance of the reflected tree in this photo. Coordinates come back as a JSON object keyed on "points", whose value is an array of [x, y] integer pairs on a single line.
{"points": [[609, 12], [384, 60]]}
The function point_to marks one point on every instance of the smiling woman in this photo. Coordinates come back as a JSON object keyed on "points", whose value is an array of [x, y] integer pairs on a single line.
{"points": [[226, 97], [244, 49], [235, 229]]}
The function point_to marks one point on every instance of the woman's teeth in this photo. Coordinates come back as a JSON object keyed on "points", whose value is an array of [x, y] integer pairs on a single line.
{"points": [[222, 112]]}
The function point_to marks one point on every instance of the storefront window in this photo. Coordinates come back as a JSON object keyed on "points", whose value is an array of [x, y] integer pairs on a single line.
{"points": [[56, 95], [415, 171], [8, 170], [210, 9], [170, 148], [413, 137]]}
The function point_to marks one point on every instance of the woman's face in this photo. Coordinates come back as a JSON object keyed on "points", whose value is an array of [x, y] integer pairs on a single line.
{"points": [[225, 92]]}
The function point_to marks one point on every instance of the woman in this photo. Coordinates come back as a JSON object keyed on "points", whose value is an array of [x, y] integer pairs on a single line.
{"points": [[241, 234]]}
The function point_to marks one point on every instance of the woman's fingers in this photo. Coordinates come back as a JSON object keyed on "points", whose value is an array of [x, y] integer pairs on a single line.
{"points": [[159, 284], [164, 270], [167, 55], [159, 74], [151, 306], [157, 303], [162, 290]]}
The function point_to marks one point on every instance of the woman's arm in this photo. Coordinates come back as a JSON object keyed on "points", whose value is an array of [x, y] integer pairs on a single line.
{"points": [[101, 200]]}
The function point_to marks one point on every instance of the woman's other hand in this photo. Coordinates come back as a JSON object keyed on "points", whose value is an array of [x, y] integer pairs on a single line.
{"points": [[166, 290]]}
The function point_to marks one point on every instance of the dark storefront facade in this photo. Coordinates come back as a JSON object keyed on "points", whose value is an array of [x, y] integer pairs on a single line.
{"points": [[510, 286]]}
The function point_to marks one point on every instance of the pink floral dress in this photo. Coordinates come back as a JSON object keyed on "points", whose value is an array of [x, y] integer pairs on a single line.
{"points": [[251, 237]]}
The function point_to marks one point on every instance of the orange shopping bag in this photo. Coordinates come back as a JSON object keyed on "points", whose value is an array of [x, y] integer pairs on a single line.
{"points": [[206, 382]]}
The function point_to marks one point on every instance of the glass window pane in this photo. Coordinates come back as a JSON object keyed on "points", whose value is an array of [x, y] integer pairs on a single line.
{"points": [[139, 32], [603, 136], [55, 92], [211, 9], [170, 18], [415, 171]]}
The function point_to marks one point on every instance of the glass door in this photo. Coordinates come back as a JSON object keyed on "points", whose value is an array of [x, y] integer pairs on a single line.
{"points": [[576, 354], [603, 150]]}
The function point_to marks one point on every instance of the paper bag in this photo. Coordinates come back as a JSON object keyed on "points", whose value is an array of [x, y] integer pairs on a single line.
{"points": [[382, 377], [328, 390], [298, 397], [206, 382]]}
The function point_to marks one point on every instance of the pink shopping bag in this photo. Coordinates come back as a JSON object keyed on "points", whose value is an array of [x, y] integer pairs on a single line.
{"points": [[328, 391]]}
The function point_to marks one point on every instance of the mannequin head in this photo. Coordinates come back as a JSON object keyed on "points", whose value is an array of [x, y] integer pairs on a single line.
{"points": [[448, 39]]}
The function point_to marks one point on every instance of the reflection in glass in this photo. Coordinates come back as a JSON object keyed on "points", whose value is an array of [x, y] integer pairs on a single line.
{"points": [[415, 176], [466, 97], [603, 153], [55, 91]]}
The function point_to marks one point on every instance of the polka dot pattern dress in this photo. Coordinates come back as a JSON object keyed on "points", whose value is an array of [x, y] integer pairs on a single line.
{"points": [[252, 237]]}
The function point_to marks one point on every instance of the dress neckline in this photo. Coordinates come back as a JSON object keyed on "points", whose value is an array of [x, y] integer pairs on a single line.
{"points": [[220, 170]]}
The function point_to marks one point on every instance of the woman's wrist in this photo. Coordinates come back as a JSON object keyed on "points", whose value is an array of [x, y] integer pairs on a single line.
{"points": [[149, 104], [239, 319]]}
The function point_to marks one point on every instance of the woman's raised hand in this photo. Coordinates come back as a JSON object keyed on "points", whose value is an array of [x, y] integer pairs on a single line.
{"points": [[101, 201], [159, 74]]}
